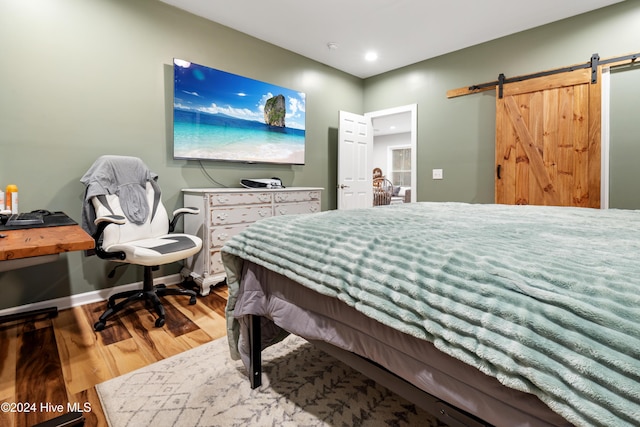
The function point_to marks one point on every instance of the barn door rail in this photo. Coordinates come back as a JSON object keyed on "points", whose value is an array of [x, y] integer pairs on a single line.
{"points": [[593, 63]]}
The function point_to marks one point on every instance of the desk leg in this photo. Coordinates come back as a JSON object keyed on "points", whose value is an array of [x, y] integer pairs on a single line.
{"points": [[66, 420], [50, 311]]}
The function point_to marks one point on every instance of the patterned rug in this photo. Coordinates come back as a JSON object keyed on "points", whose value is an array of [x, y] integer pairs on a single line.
{"points": [[302, 386]]}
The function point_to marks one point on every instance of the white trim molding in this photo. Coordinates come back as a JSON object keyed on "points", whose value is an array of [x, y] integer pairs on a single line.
{"points": [[87, 297], [605, 138]]}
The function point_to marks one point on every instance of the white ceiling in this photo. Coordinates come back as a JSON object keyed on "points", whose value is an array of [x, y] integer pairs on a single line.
{"points": [[391, 124], [402, 32]]}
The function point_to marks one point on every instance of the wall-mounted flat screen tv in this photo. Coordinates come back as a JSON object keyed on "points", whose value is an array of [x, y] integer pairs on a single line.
{"points": [[223, 116]]}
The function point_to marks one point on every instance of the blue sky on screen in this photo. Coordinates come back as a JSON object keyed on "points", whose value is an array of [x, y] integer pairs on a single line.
{"points": [[204, 89]]}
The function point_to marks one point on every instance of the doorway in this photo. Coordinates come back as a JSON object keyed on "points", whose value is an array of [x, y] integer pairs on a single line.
{"points": [[395, 147], [620, 147], [355, 153]]}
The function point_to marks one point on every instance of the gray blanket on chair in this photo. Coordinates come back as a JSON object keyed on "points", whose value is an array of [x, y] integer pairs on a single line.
{"points": [[123, 176]]}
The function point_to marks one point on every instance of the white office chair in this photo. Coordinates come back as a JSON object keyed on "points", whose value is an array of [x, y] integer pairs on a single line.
{"points": [[149, 242]]}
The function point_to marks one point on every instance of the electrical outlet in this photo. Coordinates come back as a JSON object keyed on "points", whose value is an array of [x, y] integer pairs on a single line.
{"points": [[437, 174]]}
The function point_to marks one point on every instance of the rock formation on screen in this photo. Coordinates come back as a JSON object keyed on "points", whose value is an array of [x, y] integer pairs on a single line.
{"points": [[274, 111]]}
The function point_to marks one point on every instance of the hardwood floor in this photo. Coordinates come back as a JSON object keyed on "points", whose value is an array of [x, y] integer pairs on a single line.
{"points": [[51, 366]]}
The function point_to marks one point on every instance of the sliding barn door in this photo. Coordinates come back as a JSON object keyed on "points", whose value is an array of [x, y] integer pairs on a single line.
{"points": [[548, 141]]}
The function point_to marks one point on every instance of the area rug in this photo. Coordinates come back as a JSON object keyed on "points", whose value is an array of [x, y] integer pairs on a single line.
{"points": [[302, 386]]}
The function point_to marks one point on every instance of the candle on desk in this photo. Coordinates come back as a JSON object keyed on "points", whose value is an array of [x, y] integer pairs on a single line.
{"points": [[11, 198]]}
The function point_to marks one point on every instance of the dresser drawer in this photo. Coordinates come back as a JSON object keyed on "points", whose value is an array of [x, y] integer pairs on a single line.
{"points": [[220, 234], [240, 214], [231, 199], [296, 196], [226, 212], [296, 208]]}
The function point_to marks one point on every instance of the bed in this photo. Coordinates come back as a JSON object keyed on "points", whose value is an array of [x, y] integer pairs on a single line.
{"points": [[507, 315]]}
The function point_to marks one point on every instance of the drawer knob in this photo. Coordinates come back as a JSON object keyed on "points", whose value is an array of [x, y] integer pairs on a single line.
{"points": [[223, 199], [264, 197], [222, 215], [223, 236], [263, 213]]}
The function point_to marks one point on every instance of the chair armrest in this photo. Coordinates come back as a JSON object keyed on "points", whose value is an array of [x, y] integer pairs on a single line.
{"points": [[187, 210], [110, 219], [102, 223], [178, 213]]}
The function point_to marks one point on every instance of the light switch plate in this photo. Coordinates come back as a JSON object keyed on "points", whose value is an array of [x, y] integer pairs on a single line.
{"points": [[437, 174]]}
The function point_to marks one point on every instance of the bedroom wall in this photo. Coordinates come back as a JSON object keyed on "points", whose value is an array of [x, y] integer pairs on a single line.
{"points": [[84, 78], [458, 135]]}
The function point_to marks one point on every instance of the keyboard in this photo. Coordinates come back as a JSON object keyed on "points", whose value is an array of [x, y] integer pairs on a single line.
{"points": [[25, 218]]}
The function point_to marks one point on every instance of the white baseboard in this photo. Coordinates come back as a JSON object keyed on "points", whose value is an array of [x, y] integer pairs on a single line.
{"points": [[88, 297]]}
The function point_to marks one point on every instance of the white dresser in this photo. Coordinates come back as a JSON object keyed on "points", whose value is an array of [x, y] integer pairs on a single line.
{"points": [[224, 212]]}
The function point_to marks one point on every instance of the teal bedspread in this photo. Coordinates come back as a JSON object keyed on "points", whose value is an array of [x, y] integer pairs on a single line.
{"points": [[545, 299]]}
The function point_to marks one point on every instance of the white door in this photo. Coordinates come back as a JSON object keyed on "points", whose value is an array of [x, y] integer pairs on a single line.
{"points": [[355, 163]]}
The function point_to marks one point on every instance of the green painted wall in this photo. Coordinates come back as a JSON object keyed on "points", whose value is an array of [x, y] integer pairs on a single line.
{"points": [[458, 135], [84, 78]]}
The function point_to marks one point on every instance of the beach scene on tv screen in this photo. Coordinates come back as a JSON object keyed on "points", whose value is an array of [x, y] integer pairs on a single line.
{"points": [[223, 116]]}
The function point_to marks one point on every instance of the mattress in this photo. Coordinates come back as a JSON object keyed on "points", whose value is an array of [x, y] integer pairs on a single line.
{"points": [[543, 299], [287, 307]]}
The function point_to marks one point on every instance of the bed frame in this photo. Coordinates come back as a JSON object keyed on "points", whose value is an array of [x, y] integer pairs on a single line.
{"points": [[448, 414], [535, 283]]}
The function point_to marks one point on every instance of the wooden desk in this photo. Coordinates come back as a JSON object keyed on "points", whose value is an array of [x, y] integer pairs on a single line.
{"points": [[31, 242], [41, 242]]}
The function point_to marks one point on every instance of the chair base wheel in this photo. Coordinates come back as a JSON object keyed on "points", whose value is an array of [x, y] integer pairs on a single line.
{"points": [[150, 294]]}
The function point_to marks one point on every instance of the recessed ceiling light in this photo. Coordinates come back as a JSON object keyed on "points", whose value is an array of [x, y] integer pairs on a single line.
{"points": [[371, 56]]}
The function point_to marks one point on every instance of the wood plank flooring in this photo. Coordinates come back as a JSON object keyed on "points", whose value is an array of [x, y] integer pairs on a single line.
{"points": [[51, 366]]}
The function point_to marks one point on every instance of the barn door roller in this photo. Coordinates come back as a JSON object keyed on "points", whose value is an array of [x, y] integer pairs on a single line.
{"points": [[593, 63]]}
